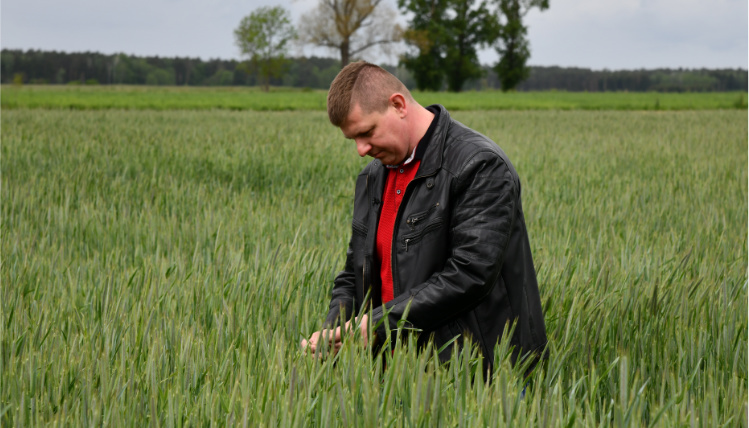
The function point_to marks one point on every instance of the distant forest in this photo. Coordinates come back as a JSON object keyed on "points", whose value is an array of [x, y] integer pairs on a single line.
{"points": [[51, 67]]}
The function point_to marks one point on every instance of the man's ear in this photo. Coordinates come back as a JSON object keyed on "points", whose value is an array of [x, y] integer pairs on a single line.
{"points": [[398, 102]]}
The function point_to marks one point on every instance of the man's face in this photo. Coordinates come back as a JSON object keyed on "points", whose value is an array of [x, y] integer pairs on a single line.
{"points": [[381, 135]]}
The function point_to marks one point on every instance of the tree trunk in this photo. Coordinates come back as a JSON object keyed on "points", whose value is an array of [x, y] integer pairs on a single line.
{"points": [[345, 53]]}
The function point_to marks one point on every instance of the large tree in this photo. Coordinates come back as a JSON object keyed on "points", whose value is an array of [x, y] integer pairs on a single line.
{"points": [[473, 26], [446, 35], [263, 36], [350, 27], [513, 47], [426, 35]]}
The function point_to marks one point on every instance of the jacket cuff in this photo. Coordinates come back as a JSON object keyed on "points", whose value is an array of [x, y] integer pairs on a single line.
{"points": [[334, 317], [381, 321], [377, 322]]}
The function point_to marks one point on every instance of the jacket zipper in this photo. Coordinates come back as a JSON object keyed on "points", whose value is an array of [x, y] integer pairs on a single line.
{"points": [[393, 264], [416, 238], [393, 245], [411, 221]]}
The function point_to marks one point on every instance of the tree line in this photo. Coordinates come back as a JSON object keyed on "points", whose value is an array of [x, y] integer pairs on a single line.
{"points": [[443, 37], [52, 67], [660, 80]]}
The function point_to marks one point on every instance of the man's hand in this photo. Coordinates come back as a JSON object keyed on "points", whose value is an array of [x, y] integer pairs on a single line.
{"points": [[332, 340], [323, 339]]}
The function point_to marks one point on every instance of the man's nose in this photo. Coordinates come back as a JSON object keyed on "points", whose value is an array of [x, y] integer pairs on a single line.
{"points": [[362, 147]]}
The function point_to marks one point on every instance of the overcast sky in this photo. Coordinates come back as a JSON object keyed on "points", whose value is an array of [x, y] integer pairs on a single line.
{"points": [[613, 34]]}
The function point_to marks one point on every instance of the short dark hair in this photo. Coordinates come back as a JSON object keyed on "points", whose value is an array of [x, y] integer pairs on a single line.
{"points": [[366, 84]]}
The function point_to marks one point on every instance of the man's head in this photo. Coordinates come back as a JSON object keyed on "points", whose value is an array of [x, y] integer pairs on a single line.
{"points": [[373, 108], [365, 84]]}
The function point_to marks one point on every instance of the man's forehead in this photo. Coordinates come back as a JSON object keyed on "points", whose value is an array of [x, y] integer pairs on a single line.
{"points": [[357, 122]]}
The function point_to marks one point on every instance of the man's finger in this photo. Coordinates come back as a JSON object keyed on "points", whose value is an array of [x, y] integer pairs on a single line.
{"points": [[330, 339]]}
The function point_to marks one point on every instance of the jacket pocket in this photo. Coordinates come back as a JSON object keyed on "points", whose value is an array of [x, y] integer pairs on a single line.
{"points": [[414, 238], [414, 219]]}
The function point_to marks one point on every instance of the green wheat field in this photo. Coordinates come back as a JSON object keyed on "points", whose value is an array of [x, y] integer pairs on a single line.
{"points": [[251, 98], [160, 266]]}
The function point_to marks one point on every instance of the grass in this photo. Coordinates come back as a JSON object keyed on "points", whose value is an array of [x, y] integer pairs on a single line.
{"points": [[159, 268], [243, 98]]}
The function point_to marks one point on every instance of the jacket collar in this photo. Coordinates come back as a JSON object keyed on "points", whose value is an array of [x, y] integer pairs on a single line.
{"points": [[432, 159]]}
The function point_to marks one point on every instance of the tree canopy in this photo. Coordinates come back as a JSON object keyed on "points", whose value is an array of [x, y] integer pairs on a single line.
{"points": [[473, 26], [445, 36], [349, 27], [428, 37], [513, 46], [263, 36]]}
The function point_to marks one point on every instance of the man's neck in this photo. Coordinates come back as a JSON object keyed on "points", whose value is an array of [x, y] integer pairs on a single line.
{"points": [[421, 120]]}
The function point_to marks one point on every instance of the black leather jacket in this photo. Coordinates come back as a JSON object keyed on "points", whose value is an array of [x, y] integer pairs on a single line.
{"points": [[460, 255]]}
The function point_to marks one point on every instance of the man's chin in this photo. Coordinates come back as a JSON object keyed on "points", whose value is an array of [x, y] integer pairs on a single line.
{"points": [[385, 159]]}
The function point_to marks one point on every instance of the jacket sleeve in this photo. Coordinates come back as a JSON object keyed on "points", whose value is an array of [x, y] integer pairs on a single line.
{"points": [[484, 195], [344, 295], [344, 291]]}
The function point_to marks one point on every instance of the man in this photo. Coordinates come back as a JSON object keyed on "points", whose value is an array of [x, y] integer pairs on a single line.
{"points": [[438, 233]]}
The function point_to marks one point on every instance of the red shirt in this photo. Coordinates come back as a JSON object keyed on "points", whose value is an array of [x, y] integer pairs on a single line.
{"points": [[395, 187]]}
